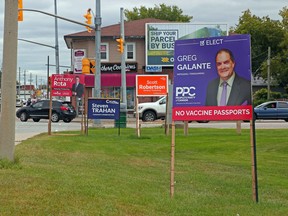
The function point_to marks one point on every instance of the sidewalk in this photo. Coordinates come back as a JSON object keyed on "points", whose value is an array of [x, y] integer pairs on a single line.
{"points": [[21, 137]]}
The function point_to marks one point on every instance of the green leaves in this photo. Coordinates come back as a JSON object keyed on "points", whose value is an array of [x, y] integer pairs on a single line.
{"points": [[163, 12], [265, 33]]}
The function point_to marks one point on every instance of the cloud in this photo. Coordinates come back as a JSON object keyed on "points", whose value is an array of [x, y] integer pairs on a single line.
{"points": [[41, 28]]}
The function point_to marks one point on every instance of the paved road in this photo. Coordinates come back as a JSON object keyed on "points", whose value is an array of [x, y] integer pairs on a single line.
{"points": [[25, 130]]}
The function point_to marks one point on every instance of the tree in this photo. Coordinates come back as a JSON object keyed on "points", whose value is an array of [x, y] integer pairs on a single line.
{"points": [[163, 12], [267, 33], [264, 33], [280, 62], [284, 14]]}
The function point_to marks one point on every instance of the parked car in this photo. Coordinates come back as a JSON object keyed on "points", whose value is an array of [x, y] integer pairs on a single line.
{"points": [[61, 110], [18, 102], [152, 111], [272, 110]]}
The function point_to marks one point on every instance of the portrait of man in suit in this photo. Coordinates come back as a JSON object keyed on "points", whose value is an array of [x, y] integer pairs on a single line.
{"points": [[228, 89], [77, 88]]}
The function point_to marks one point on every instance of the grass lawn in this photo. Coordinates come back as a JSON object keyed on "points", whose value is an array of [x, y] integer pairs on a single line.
{"points": [[107, 174]]}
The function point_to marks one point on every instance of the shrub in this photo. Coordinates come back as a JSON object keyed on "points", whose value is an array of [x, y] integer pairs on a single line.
{"points": [[260, 96]]}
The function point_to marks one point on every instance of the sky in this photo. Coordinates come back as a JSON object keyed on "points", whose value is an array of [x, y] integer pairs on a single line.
{"points": [[40, 28]]}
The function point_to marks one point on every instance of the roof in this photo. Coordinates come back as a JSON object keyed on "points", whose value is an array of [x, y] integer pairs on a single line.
{"points": [[133, 29], [27, 87]]}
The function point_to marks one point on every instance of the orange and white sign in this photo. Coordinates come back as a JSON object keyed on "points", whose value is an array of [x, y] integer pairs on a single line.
{"points": [[151, 85]]}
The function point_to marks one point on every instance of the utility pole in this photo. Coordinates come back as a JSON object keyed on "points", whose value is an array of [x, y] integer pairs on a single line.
{"points": [[268, 73], [30, 84], [97, 84], [25, 84], [97, 79], [0, 76], [19, 84], [47, 85], [36, 83], [10, 46], [123, 65], [56, 39]]}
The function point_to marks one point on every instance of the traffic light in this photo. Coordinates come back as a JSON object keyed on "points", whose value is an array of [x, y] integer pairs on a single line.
{"points": [[120, 45], [92, 66], [49, 80], [88, 17], [85, 66], [88, 66], [20, 13]]}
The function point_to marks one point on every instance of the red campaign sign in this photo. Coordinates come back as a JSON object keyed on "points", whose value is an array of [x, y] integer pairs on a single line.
{"points": [[62, 81], [212, 113], [62, 84], [65, 80]]}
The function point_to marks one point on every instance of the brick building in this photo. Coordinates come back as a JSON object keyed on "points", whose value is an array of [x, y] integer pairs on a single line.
{"points": [[111, 58]]}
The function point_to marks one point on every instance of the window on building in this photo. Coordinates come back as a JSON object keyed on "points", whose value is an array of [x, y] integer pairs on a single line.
{"points": [[115, 92], [104, 52], [130, 52]]}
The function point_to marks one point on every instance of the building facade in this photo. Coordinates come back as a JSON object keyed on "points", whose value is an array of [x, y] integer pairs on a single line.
{"points": [[111, 58]]}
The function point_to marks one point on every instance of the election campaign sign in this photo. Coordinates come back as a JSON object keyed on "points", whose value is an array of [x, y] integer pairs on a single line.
{"points": [[103, 108], [66, 84], [151, 85], [212, 79]]}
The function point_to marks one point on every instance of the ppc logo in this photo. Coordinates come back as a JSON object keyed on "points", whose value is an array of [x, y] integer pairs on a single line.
{"points": [[202, 42], [185, 91]]}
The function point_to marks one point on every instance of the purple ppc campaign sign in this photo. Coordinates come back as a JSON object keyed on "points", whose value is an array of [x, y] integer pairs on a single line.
{"points": [[206, 67]]}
